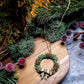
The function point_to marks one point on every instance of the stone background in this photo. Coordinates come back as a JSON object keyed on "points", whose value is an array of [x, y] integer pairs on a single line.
{"points": [[76, 71]]}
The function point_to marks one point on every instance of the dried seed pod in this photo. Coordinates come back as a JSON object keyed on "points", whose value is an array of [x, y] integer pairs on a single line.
{"points": [[56, 66]]}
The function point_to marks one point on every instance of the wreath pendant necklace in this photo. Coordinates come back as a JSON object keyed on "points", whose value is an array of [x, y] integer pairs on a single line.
{"points": [[46, 73]]}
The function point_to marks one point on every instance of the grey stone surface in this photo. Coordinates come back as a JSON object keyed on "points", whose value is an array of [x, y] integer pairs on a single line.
{"points": [[76, 71]]}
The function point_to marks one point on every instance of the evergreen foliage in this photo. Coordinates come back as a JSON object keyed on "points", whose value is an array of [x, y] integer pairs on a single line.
{"points": [[23, 49], [56, 10], [13, 12], [7, 77], [44, 24], [50, 15], [47, 31]]}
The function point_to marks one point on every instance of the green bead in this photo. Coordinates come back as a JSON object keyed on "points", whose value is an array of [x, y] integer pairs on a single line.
{"points": [[58, 65], [57, 58], [36, 67], [54, 58], [54, 72], [55, 61]]}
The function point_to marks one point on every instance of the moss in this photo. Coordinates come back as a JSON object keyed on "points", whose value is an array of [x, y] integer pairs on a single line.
{"points": [[25, 47]]}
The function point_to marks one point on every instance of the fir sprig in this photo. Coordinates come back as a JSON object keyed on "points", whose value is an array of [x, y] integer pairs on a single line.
{"points": [[51, 13], [7, 78]]}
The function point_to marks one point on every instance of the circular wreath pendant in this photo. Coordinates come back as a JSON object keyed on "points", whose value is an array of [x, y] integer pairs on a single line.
{"points": [[45, 73]]}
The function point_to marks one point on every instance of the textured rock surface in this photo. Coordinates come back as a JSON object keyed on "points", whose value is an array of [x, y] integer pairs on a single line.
{"points": [[76, 72]]}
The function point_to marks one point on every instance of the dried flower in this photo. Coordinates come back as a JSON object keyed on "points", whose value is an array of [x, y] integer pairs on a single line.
{"points": [[10, 67], [64, 38], [68, 32], [21, 61]]}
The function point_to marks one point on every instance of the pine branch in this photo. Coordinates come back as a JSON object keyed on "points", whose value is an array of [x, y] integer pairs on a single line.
{"points": [[7, 78]]}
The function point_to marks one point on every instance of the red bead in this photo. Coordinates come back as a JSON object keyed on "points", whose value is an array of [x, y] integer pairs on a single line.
{"points": [[64, 38], [10, 67], [82, 45], [21, 61]]}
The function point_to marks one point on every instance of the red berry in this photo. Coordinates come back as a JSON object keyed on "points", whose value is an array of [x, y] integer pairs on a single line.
{"points": [[21, 61], [10, 67], [64, 38], [75, 23], [82, 45], [68, 32], [82, 25]]}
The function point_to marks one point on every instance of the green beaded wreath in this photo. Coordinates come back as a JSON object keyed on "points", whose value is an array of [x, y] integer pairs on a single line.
{"points": [[46, 72]]}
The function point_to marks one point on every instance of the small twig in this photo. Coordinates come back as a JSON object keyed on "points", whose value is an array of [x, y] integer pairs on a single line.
{"points": [[21, 4], [78, 34], [3, 51], [13, 40], [31, 6], [4, 55]]}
